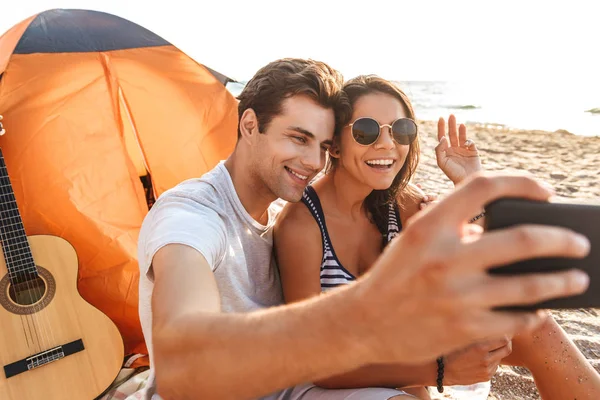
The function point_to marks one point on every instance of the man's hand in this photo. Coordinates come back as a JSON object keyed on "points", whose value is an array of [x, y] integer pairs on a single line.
{"points": [[476, 363], [429, 293]]}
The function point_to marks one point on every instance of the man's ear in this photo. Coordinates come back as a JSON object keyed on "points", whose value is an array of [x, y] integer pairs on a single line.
{"points": [[248, 124]]}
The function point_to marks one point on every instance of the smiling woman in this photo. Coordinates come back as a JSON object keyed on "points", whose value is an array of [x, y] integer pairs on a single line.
{"points": [[352, 213], [356, 208]]}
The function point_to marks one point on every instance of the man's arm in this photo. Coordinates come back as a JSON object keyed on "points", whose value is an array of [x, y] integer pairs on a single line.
{"points": [[475, 363], [383, 375], [300, 279], [200, 352], [443, 290]]}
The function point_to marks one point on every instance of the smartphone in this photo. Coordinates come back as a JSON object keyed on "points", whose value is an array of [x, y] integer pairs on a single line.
{"points": [[582, 218]]}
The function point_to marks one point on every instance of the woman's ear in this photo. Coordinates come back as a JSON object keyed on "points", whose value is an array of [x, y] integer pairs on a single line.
{"points": [[248, 124], [334, 149]]}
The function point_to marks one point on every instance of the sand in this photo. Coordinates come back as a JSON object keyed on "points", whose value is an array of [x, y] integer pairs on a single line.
{"points": [[568, 162]]}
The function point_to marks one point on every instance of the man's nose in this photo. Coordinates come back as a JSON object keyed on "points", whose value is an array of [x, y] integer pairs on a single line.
{"points": [[314, 159]]}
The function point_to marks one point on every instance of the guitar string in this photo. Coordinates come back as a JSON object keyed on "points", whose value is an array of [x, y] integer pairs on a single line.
{"points": [[27, 317], [37, 307], [45, 325], [5, 188], [21, 260], [26, 322], [25, 257]]}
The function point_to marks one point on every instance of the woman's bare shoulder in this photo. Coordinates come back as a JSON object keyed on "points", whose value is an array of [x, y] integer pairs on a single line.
{"points": [[298, 250], [295, 217]]}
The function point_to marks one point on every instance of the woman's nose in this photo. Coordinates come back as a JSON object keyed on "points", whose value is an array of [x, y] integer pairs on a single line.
{"points": [[385, 139]]}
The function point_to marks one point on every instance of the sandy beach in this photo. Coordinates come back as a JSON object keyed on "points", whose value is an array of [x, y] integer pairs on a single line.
{"points": [[572, 165]]}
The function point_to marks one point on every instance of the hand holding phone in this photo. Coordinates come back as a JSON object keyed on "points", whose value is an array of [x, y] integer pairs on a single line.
{"points": [[582, 218]]}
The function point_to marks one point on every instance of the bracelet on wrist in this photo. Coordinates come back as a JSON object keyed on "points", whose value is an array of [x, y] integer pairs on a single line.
{"points": [[440, 374], [475, 218]]}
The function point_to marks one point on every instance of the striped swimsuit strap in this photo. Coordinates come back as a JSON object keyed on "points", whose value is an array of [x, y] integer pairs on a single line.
{"points": [[333, 272], [394, 223]]}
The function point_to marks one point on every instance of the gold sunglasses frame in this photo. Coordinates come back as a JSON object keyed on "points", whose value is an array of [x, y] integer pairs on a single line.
{"points": [[382, 126]]}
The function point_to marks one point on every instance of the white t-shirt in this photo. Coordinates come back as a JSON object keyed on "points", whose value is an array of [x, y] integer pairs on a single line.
{"points": [[206, 214]]}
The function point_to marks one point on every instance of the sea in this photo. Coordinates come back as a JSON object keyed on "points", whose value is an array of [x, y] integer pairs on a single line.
{"points": [[567, 105]]}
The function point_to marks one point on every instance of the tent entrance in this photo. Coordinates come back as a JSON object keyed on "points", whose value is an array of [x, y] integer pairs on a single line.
{"points": [[134, 149]]}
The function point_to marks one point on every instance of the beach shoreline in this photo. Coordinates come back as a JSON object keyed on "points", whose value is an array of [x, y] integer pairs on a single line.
{"points": [[571, 164]]}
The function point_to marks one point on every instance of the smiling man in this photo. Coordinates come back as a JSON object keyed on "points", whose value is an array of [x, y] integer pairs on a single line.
{"points": [[287, 119], [210, 293]]}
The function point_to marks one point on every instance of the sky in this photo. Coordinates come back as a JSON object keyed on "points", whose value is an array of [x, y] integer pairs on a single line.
{"points": [[397, 39]]}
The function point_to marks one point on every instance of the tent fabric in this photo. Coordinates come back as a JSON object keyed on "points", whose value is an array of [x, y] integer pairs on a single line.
{"points": [[82, 127], [9, 40], [74, 31]]}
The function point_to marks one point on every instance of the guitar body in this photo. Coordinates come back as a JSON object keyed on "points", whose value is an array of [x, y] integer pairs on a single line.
{"points": [[57, 315]]}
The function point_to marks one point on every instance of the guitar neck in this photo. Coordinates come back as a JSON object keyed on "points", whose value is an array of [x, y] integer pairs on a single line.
{"points": [[15, 245]]}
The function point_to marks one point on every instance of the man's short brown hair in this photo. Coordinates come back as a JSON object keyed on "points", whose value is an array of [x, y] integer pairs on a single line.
{"points": [[288, 77]]}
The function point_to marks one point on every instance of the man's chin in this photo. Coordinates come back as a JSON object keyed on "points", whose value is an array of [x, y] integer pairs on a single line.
{"points": [[291, 196], [292, 199]]}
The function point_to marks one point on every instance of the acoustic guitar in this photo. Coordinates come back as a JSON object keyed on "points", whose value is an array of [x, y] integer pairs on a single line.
{"points": [[53, 344]]}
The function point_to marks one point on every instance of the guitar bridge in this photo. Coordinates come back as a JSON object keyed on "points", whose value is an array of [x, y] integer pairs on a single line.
{"points": [[43, 358]]}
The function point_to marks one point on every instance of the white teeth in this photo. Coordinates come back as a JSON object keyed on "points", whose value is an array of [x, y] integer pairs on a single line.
{"points": [[298, 175], [380, 162]]}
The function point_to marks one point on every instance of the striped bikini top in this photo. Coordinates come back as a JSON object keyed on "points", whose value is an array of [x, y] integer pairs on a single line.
{"points": [[333, 272]]}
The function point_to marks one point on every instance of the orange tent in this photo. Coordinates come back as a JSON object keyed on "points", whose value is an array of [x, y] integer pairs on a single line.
{"points": [[94, 107]]}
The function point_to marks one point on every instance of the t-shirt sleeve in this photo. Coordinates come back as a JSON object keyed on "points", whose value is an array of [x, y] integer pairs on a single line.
{"points": [[181, 220]]}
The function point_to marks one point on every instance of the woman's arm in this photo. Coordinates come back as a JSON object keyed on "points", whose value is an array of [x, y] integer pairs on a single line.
{"points": [[299, 251]]}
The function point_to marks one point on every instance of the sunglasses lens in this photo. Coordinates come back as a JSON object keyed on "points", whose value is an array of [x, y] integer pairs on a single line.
{"points": [[365, 131], [404, 130]]}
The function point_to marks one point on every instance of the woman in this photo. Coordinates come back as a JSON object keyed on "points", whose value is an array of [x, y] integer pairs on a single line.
{"points": [[348, 216]]}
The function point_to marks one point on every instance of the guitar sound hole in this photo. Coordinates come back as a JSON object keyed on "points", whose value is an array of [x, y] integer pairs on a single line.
{"points": [[28, 292]]}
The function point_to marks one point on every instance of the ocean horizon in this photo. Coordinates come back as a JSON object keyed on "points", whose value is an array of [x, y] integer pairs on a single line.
{"points": [[549, 106]]}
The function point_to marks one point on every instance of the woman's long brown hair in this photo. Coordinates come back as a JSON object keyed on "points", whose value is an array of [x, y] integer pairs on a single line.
{"points": [[378, 201]]}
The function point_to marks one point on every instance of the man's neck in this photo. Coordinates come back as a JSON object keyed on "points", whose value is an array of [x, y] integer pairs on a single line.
{"points": [[255, 198]]}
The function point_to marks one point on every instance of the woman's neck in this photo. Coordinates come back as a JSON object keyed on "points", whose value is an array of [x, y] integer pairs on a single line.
{"points": [[346, 193]]}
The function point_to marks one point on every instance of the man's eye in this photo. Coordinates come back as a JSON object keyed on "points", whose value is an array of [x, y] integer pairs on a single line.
{"points": [[324, 149], [300, 139]]}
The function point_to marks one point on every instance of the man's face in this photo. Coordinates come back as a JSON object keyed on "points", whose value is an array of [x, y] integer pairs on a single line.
{"points": [[292, 150]]}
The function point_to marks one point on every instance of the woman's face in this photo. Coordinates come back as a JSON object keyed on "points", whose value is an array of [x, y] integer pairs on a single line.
{"points": [[375, 165]]}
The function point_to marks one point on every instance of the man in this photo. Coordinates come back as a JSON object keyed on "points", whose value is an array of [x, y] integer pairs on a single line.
{"points": [[209, 292]]}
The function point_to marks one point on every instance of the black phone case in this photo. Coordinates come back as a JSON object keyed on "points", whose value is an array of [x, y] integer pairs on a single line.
{"points": [[582, 218]]}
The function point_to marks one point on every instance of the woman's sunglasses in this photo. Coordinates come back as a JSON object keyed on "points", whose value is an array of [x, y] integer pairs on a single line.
{"points": [[366, 131]]}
